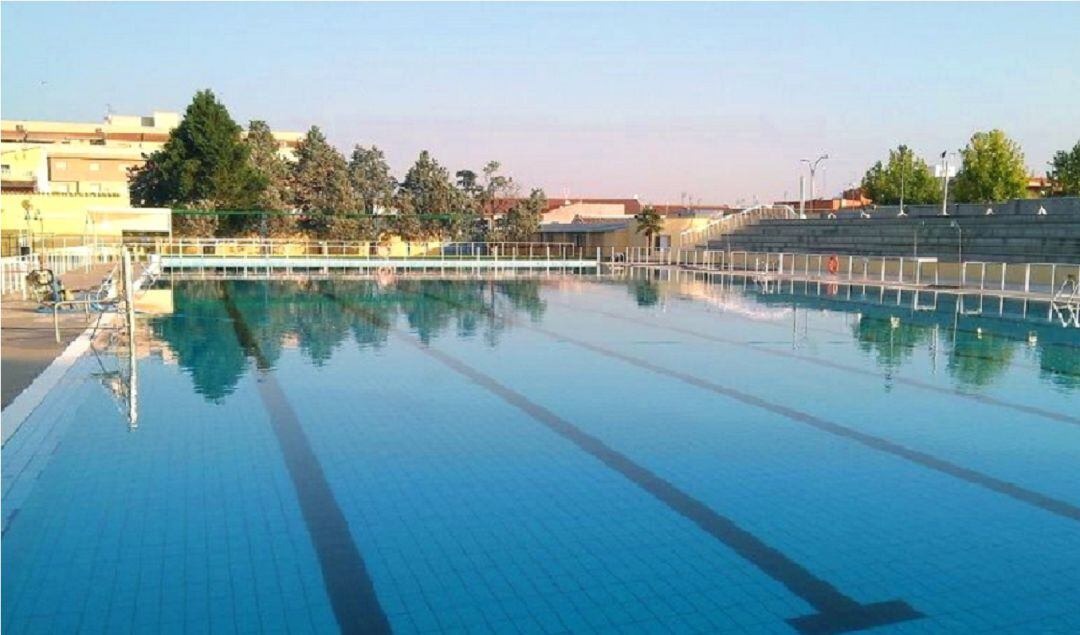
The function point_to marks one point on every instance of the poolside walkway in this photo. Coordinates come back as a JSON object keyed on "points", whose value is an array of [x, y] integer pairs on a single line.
{"points": [[27, 342]]}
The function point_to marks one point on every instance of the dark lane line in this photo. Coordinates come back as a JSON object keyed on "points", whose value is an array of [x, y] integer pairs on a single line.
{"points": [[1031, 497], [954, 392], [1016, 492], [837, 613], [348, 584]]}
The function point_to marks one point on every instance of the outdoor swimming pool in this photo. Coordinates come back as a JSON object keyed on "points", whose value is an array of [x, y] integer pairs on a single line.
{"points": [[556, 454]]}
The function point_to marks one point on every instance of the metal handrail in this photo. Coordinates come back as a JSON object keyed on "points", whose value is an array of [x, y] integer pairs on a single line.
{"points": [[743, 218]]}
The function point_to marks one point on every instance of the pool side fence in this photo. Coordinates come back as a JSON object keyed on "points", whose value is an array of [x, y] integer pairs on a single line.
{"points": [[255, 256], [1044, 278]]}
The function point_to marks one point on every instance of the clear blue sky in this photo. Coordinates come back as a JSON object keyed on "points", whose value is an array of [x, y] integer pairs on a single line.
{"points": [[717, 100]]}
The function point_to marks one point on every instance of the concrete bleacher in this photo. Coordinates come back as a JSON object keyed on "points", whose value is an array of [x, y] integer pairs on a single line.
{"points": [[1015, 232]]}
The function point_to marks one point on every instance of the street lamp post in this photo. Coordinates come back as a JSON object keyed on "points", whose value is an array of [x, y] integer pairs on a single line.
{"points": [[903, 172], [813, 165], [29, 216], [802, 197], [945, 182]]}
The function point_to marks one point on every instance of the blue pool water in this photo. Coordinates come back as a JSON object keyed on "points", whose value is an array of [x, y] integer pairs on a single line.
{"points": [[556, 454]]}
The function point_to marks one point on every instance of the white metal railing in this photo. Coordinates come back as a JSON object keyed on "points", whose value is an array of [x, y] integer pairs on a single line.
{"points": [[14, 269], [254, 247], [731, 222], [264, 256], [1029, 278]]}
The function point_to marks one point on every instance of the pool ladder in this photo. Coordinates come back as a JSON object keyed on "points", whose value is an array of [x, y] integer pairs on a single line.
{"points": [[1066, 303]]}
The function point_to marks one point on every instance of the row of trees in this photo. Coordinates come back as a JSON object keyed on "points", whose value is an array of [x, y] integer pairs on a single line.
{"points": [[225, 182], [991, 169]]}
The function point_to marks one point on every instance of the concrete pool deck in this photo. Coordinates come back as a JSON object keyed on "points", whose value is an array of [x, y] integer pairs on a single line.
{"points": [[27, 341]]}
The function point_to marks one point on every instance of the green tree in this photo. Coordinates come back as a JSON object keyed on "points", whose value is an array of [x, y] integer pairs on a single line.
{"points": [[374, 185], [371, 179], [406, 221], [321, 188], [522, 221], [265, 159], [203, 165], [434, 198], [649, 223], [1065, 172], [469, 183], [496, 190], [469, 192], [992, 169], [903, 171]]}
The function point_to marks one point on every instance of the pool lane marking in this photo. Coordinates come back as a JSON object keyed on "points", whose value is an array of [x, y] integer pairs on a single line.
{"points": [[345, 576], [1022, 494], [915, 383], [836, 612], [1042, 501]]}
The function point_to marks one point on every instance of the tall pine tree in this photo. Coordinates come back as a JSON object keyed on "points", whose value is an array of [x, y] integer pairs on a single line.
{"points": [[203, 166], [322, 190], [432, 195]]}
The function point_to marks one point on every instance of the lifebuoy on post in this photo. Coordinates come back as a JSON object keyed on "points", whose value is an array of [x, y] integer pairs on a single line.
{"points": [[834, 264]]}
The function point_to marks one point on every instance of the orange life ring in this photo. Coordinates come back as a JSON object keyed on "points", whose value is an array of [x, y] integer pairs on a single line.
{"points": [[834, 264]]}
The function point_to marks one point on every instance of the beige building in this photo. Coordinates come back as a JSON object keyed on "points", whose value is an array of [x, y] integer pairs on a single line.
{"points": [[62, 178], [91, 158], [619, 233]]}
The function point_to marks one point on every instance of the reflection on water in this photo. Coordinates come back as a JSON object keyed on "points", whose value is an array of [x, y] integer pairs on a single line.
{"points": [[979, 337], [304, 315], [888, 326], [645, 292]]}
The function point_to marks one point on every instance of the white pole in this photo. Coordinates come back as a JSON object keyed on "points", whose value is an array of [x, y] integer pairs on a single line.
{"points": [[802, 197], [945, 186], [129, 301]]}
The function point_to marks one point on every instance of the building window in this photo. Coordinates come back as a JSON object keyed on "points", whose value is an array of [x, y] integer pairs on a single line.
{"points": [[5, 169], [94, 167], [61, 165], [61, 187]]}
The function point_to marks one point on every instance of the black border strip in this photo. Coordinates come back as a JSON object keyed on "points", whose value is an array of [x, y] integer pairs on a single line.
{"points": [[837, 613], [348, 584]]}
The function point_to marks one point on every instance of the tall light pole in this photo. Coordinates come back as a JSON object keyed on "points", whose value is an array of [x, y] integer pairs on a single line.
{"points": [[802, 197], [946, 172], [903, 171], [813, 165]]}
